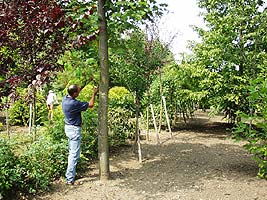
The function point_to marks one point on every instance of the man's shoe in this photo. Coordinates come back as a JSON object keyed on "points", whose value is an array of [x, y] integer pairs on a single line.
{"points": [[70, 183]]}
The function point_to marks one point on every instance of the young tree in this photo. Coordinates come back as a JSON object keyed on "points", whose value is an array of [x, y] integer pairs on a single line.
{"points": [[136, 64]]}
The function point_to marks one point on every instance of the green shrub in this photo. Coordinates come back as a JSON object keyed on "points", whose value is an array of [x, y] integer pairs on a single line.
{"points": [[56, 128], [121, 125], [256, 136], [8, 174], [120, 97], [19, 112], [1, 126], [22, 174], [42, 162], [90, 133], [259, 152]]}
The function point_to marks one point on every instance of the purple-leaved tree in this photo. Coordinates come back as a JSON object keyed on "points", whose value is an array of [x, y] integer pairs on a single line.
{"points": [[33, 34]]}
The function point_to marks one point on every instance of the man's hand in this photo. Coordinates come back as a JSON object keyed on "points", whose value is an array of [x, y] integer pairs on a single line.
{"points": [[92, 100], [95, 91]]}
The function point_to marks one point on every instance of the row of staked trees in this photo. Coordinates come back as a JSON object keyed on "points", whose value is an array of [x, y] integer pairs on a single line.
{"points": [[226, 72], [233, 55]]}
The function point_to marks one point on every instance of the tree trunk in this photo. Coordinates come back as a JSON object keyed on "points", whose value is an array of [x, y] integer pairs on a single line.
{"points": [[103, 150], [137, 130], [241, 67]]}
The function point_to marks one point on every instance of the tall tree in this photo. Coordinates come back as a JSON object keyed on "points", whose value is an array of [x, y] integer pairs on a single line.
{"points": [[121, 16]]}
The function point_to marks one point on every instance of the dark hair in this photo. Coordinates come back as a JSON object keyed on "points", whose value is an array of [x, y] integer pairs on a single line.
{"points": [[72, 89]]}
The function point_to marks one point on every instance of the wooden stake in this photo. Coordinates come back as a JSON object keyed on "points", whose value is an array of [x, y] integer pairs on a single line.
{"points": [[30, 120], [147, 124], [7, 120], [161, 109]]}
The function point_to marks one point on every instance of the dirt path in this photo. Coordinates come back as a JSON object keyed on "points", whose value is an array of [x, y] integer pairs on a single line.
{"points": [[199, 163]]}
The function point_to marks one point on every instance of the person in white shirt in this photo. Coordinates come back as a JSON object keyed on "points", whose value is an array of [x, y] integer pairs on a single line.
{"points": [[51, 100]]}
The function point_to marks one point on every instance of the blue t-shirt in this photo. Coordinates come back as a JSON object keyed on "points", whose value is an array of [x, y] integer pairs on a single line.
{"points": [[72, 109]]}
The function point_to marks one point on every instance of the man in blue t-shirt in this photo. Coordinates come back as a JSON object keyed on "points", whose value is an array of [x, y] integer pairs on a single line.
{"points": [[72, 109]]}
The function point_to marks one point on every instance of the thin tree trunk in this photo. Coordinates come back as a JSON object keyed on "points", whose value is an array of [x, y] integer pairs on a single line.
{"points": [[137, 131], [155, 124], [241, 67], [103, 150]]}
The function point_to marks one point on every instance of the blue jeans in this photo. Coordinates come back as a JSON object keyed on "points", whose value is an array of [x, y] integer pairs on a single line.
{"points": [[74, 137]]}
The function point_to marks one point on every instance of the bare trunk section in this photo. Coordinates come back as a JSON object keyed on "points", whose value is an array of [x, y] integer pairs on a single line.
{"points": [[103, 150], [137, 130]]}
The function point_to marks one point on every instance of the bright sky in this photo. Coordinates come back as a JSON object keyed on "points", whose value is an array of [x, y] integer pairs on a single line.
{"points": [[183, 14]]}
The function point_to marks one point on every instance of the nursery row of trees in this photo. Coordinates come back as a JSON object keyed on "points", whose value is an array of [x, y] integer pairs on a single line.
{"points": [[60, 46], [233, 51]]}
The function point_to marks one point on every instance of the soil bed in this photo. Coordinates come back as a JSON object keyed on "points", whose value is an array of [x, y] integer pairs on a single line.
{"points": [[199, 162]]}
